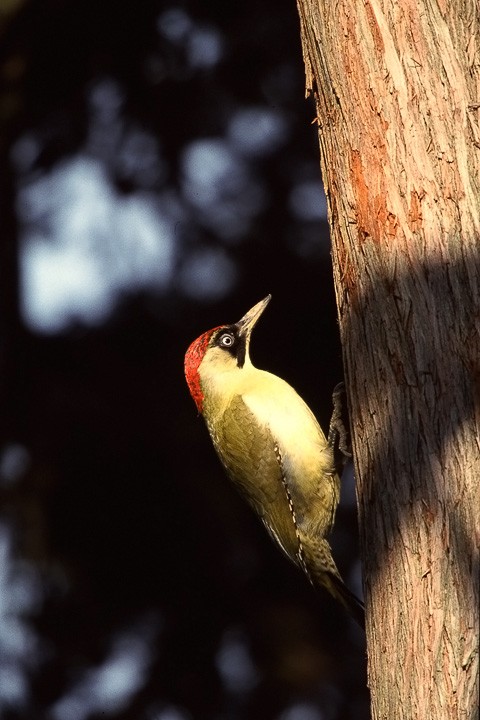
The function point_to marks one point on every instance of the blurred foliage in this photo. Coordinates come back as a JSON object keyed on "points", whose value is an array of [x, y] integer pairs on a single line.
{"points": [[135, 583]]}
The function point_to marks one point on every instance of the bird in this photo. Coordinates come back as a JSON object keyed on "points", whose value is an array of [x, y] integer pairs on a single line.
{"points": [[272, 448]]}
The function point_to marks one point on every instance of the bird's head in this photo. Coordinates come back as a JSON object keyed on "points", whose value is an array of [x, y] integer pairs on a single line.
{"points": [[222, 350]]}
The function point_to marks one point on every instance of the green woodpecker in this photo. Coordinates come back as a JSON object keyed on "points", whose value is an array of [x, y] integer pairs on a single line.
{"points": [[272, 448]]}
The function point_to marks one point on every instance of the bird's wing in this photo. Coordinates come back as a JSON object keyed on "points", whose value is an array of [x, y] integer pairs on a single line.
{"points": [[252, 460]]}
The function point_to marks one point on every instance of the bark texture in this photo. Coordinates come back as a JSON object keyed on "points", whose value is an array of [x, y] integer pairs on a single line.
{"points": [[397, 91]]}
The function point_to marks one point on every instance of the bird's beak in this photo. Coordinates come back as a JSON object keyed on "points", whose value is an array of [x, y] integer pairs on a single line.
{"points": [[249, 320]]}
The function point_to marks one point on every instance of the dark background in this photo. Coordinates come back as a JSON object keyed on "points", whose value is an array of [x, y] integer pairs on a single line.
{"points": [[159, 175]]}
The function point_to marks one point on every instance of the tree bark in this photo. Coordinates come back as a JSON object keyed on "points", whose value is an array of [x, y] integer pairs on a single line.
{"points": [[397, 92]]}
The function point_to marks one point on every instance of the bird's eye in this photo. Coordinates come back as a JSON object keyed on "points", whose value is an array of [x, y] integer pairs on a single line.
{"points": [[227, 340]]}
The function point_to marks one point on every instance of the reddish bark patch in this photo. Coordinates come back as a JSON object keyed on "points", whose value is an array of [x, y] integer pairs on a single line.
{"points": [[362, 194], [374, 220]]}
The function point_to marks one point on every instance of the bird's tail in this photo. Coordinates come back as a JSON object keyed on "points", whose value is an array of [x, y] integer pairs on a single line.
{"points": [[336, 587], [320, 567]]}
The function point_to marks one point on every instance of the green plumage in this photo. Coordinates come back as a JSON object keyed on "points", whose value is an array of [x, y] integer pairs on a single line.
{"points": [[274, 451]]}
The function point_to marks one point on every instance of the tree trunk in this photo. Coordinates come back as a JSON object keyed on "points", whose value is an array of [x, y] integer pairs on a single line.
{"points": [[397, 91]]}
